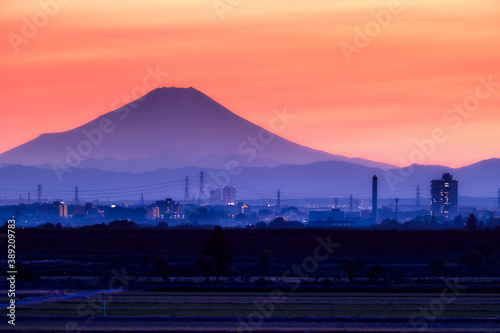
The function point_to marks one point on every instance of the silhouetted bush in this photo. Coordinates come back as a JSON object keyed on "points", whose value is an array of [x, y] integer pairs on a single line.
{"points": [[472, 223], [206, 264], [472, 260], [437, 265], [375, 272], [280, 223], [266, 259], [160, 260], [352, 266]]}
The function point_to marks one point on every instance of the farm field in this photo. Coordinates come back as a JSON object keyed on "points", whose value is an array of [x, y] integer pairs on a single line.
{"points": [[260, 312]]}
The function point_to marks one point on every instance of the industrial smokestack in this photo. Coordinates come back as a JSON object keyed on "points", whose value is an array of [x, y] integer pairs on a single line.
{"points": [[375, 199]]}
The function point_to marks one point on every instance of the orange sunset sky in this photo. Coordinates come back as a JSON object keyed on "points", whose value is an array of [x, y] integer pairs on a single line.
{"points": [[258, 55]]}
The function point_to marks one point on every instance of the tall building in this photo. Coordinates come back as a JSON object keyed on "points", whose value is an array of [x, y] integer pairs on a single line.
{"points": [[153, 212], [375, 199], [62, 210], [242, 208], [178, 212], [57, 208], [444, 197], [78, 211], [166, 207], [215, 196], [229, 195]]}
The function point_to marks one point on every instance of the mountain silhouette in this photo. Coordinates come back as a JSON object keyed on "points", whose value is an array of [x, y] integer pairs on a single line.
{"points": [[170, 128]]}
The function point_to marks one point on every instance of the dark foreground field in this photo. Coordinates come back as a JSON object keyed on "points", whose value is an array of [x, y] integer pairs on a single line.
{"points": [[447, 311], [81, 280], [82, 252]]}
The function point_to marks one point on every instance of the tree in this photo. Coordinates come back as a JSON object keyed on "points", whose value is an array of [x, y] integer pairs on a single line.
{"points": [[144, 261], [241, 217], [201, 215], [160, 261], [261, 225], [162, 225], [288, 210], [473, 260], [217, 247], [24, 274], [266, 259], [437, 265], [490, 253], [206, 264], [375, 272], [281, 223], [265, 212], [458, 221], [352, 267], [122, 224], [472, 222]]}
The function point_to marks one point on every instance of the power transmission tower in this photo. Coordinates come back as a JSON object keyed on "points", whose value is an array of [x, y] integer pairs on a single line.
{"points": [[40, 193], [350, 204], [186, 189], [142, 199], [202, 188], [418, 196], [278, 202], [397, 212]]}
